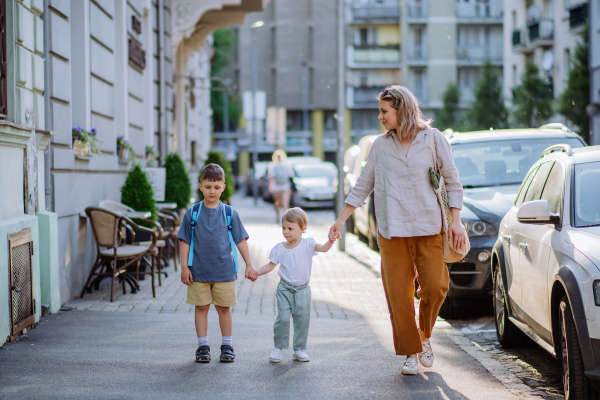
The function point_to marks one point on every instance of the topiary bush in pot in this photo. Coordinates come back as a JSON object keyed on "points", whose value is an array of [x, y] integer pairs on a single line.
{"points": [[178, 188], [216, 157], [137, 192]]}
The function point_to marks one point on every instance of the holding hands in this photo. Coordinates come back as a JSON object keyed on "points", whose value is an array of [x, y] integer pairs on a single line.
{"points": [[251, 273]]}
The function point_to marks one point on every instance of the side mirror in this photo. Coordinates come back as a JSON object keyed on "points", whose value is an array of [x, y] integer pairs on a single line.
{"points": [[537, 212]]}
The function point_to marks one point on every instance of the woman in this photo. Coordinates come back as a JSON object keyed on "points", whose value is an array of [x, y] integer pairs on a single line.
{"points": [[409, 219], [279, 182]]}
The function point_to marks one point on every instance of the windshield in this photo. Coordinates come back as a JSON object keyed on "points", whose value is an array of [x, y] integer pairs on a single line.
{"points": [[314, 170], [501, 162], [587, 193]]}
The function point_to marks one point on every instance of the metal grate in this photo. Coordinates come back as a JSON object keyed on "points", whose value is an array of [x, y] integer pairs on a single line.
{"points": [[22, 298], [21, 289]]}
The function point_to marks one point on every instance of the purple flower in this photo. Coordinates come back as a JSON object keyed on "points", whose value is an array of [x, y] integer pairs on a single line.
{"points": [[77, 128], [120, 138], [93, 131]]}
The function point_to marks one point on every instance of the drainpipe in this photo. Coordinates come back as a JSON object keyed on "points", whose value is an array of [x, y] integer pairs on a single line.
{"points": [[161, 83]]}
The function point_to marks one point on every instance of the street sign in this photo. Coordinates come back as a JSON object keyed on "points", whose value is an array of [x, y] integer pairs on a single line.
{"points": [[261, 105]]}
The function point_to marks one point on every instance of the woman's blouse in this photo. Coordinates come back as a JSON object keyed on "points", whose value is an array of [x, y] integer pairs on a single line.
{"points": [[405, 203]]}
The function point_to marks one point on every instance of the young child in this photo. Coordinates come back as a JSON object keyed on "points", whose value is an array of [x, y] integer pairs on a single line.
{"points": [[293, 293], [210, 272]]}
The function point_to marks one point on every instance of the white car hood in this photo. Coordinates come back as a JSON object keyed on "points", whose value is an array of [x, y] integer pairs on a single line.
{"points": [[587, 242]]}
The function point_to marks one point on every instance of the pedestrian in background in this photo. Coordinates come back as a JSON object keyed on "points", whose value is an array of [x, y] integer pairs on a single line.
{"points": [[409, 220], [293, 292], [279, 182]]}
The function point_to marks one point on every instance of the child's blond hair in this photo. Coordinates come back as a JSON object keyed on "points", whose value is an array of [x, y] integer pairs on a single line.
{"points": [[296, 215]]}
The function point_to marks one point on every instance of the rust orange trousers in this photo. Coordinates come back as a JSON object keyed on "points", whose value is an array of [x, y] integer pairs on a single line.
{"points": [[402, 260]]}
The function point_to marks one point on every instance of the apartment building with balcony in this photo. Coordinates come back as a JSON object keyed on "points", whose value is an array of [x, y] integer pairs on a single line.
{"points": [[546, 32], [448, 42], [373, 59]]}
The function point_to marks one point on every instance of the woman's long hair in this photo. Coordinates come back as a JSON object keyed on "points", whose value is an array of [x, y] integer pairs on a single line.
{"points": [[410, 117]]}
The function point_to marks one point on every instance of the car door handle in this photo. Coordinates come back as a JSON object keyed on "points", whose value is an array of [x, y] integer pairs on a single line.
{"points": [[523, 246], [507, 237]]}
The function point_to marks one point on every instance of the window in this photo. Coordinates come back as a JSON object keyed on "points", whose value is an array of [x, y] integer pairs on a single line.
{"points": [[273, 45], [3, 62], [515, 77], [533, 193], [587, 192], [567, 62], [553, 191], [524, 187]]}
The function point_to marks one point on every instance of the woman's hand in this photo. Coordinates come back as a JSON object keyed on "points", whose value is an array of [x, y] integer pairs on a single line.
{"points": [[334, 231], [456, 234]]}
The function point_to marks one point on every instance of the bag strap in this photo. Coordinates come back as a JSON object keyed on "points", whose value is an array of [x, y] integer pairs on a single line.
{"points": [[228, 212], [195, 213], [433, 151]]}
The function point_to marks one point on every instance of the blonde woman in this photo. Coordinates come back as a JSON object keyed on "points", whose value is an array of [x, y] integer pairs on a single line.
{"points": [[279, 182], [409, 220]]}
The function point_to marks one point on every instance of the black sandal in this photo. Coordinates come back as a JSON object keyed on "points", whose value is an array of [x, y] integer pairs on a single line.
{"points": [[227, 354], [203, 354]]}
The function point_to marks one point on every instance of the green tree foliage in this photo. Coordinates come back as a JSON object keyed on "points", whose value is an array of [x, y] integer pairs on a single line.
{"points": [[532, 99], [488, 109], [447, 118], [216, 157], [577, 94], [137, 192], [224, 47], [178, 188]]}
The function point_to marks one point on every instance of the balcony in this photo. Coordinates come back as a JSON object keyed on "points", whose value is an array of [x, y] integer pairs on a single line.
{"points": [[374, 56], [479, 53], [417, 10], [371, 14], [417, 52], [479, 11], [363, 96], [519, 39], [541, 31], [578, 14]]}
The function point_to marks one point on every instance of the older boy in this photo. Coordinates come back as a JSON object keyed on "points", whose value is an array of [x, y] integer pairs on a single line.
{"points": [[210, 272]]}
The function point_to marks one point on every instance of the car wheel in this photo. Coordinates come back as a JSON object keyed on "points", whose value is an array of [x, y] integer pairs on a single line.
{"points": [[508, 334], [575, 383]]}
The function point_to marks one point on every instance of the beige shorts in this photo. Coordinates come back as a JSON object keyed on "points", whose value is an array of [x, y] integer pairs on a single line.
{"points": [[218, 293]]}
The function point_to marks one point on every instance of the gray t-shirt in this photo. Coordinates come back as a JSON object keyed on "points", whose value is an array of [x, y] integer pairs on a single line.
{"points": [[213, 259]]}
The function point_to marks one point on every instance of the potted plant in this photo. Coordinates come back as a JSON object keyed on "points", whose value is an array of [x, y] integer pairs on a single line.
{"points": [[178, 187], [124, 150], [150, 156], [84, 142], [216, 157]]}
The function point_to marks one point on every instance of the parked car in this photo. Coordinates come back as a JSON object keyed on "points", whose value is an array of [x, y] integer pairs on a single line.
{"points": [[546, 265], [314, 185], [492, 166], [290, 161]]}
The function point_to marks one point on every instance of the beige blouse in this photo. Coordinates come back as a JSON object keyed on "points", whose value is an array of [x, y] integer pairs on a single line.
{"points": [[405, 203]]}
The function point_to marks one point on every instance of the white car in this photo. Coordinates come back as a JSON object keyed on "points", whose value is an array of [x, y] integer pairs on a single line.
{"points": [[546, 265]]}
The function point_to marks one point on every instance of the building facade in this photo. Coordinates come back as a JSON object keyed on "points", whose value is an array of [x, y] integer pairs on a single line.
{"points": [[131, 69], [594, 56], [545, 32]]}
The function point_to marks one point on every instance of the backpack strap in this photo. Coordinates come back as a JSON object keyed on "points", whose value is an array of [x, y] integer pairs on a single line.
{"points": [[228, 212], [195, 213]]}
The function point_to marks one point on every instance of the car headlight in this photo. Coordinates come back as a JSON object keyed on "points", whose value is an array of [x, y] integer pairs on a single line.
{"points": [[597, 292], [479, 228]]}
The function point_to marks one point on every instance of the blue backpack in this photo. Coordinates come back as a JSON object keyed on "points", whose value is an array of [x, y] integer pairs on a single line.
{"points": [[227, 211]]}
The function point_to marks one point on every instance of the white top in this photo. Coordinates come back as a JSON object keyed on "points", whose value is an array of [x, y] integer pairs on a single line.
{"points": [[296, 263]]}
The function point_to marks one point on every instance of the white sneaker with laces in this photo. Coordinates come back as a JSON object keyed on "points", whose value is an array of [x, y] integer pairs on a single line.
{"points": [[275, 356], [300, 355], [410, 367], [426, 356]]}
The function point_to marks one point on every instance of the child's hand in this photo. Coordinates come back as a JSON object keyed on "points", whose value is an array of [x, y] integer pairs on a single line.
{"points": [[251, 273], [186, 275], [332, 238]]}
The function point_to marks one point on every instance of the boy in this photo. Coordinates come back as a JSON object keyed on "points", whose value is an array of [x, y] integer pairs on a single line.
{"points": [[211, 274]]}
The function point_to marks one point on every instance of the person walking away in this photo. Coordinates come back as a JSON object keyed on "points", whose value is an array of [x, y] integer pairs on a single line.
{"points": [[294, 257], [208, 236], [279, 182], [409, 220]]}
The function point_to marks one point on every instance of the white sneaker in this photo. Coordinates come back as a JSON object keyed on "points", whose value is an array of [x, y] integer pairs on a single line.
{"points": [[426, 357], [275, 356], [300, 355], [410, 367]]}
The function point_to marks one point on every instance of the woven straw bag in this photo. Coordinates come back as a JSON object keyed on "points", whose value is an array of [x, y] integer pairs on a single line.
{"points": [[451, 255]]}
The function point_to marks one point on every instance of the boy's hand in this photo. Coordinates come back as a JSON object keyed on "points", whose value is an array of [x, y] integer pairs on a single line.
{"points": [[186, 275], [251, 273]]}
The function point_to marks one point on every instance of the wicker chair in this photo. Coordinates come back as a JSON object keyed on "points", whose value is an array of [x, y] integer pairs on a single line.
{"points": [[114, 256], [170, 221]]}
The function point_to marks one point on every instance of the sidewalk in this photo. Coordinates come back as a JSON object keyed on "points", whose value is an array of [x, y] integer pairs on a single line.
{"points": [[140, 347]]}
